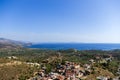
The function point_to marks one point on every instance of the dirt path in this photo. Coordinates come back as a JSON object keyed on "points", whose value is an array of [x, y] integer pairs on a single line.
{"points": [[11, 63]]}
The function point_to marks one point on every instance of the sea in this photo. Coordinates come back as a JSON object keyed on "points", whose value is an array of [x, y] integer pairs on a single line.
{"points": [[78, 46]]}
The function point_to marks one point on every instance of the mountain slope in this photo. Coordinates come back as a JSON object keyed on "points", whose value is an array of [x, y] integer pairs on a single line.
{"points": [[7, 43]]}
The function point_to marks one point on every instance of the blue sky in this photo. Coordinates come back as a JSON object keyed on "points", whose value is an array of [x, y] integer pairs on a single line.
{"points": [[89, 21]]}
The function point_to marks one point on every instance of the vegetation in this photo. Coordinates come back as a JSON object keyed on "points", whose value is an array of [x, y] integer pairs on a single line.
{"points": [[50, 59]]}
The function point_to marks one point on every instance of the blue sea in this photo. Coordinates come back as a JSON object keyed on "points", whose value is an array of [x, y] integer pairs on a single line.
{"points": [[78, 46]]}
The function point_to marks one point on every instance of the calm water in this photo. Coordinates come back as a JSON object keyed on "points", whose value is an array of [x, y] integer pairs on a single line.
{"points": [[78, 46]]}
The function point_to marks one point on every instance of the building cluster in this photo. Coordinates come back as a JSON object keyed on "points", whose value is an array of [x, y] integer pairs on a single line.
{"points": [[71, 71]]}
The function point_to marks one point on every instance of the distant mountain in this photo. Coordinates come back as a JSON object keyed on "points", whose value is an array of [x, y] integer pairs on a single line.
{"points": [[7, 43]]}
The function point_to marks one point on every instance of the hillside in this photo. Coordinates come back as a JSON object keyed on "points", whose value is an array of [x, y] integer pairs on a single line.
{"points": [[43, 64], [7, 43]]}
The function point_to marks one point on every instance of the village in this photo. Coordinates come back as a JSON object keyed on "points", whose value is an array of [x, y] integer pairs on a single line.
{"points": [[76, 71]]}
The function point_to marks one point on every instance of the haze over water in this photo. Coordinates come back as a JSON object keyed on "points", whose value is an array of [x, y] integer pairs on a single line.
{"points": [[78, 46]]}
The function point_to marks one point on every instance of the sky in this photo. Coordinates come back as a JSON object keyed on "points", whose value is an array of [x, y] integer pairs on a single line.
{"points": [[86, 21]]}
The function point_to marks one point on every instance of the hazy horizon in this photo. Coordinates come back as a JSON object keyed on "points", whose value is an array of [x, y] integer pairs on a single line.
{"points": [[60, 21]]}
